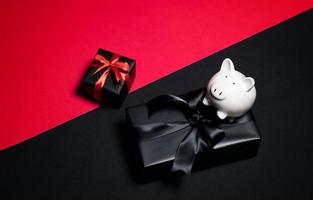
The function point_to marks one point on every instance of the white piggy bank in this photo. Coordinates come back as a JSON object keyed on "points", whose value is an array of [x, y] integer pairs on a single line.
{"points": [[230, 92]]}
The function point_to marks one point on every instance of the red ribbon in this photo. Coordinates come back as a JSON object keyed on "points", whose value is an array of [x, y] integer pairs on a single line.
{"points": [[120, 70]]}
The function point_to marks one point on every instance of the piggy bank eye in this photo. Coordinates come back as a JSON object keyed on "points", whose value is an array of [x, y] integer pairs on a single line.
{"points": [[226, 76], [234, 83]]}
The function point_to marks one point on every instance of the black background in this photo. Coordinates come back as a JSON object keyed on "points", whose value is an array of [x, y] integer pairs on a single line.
{"points": [[88, 157]]}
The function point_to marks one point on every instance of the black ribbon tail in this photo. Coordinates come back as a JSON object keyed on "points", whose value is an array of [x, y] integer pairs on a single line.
{"points": [[186, 152]]}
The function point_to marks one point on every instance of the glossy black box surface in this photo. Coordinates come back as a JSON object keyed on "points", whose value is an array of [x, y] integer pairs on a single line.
{"points": [[158, 153]]}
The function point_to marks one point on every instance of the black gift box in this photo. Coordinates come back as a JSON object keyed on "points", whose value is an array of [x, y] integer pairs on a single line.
{"points": [[113, 92], [158, 147]]}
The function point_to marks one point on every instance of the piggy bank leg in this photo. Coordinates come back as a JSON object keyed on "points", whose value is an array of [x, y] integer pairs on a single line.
{"points": [[205, 101], [221, 115]]}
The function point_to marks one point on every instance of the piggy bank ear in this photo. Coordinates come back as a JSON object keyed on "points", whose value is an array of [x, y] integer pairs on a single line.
{"points": [[227, 65], [248, 83]]}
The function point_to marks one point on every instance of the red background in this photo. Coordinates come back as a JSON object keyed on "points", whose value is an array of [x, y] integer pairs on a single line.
{"points": [[45, 46]]}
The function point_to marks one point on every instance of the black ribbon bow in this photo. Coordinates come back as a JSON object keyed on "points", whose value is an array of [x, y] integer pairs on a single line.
{"points": [[204, 133]]}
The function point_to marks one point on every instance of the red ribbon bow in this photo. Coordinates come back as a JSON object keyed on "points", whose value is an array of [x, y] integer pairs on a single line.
{"points": [[120, 70]]}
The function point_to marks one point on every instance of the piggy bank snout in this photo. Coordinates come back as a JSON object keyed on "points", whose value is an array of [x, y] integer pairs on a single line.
{"points": [[218, 91]]}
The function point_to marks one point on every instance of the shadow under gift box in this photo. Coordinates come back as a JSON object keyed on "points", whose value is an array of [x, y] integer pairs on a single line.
{"points": [[157, 153], [113, 92]]}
